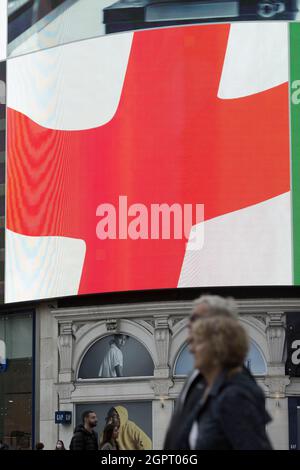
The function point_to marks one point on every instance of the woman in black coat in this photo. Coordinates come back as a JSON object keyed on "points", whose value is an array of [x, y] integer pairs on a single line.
{"points": [[231, 414]]}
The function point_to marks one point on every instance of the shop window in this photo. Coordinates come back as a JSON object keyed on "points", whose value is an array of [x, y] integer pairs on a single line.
{"points": [[116, 356], [134, 422], [255, 361], [16, 380]]}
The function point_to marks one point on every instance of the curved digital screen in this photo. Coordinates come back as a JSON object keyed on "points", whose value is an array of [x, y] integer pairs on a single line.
{"points": [[40, 24], [150, 159], [3, 29]]}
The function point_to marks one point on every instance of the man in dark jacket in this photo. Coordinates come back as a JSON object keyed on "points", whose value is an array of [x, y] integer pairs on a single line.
{"points": [[191, 393], [3, 446], [84, 437]]}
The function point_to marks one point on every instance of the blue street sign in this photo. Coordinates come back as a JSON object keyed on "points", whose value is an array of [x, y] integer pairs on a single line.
{"points": [[63, 417]]}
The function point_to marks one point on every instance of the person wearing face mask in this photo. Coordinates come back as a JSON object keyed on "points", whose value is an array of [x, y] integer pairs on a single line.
{"points": [[60, 445]]}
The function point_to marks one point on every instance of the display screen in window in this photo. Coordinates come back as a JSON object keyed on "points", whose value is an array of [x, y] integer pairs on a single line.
{"points": [[133, 420], [116, 356]]}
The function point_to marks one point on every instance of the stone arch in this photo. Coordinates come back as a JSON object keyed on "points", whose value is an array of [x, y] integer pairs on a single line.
{"points": [[254, 328], [179, 339], [257, 334], [92, 334]]}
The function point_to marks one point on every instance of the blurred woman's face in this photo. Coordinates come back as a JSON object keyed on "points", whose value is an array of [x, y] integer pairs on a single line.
{"points": [[202, 353], [59, 445], [115, 433]]}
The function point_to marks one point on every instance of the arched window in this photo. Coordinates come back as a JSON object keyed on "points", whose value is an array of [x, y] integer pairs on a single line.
{"points": [[255, 361], [116, 356], [2, 355], [184, 363]]}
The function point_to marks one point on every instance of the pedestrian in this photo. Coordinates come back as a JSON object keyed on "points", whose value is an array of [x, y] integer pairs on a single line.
{"points": [[3, 445], [60, 445], [84, 437], [191, 393], [39, 446], [110, 436], [231, 414]]}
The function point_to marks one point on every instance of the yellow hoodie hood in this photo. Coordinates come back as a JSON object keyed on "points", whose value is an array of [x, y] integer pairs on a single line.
{"points": [[123, 414], [131, 437]]}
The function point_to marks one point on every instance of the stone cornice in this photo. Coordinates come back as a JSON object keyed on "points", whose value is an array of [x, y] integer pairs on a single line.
{"points": [[173, 308]]}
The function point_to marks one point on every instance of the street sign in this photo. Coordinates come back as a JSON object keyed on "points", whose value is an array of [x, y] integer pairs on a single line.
{"points": [[63, 417]]}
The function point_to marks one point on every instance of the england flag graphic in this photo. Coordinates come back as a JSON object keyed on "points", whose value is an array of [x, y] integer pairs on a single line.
{"points": [[186, 115]]}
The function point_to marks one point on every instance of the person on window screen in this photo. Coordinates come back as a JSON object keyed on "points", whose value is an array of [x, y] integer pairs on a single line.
{"points": [[130, 435], [112, 364]]}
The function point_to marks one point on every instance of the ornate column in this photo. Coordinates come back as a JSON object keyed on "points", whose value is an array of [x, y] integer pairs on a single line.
{"points": [[162, 408], [162, 342], [277, 386], [65, 348], [64, 391], [276, 337], [276, 380]]}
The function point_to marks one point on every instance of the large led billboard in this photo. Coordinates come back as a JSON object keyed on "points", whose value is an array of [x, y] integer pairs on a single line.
{"points": [[3, 29], [150, 159], [40, 24]]}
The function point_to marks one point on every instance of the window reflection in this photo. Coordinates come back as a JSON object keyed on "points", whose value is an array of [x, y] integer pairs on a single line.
{"points": [[255, 361], [16, 381]]}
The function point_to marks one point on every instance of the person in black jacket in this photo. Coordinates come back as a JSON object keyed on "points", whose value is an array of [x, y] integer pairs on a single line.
{"points": [[3, 445], [191, 393], [231, 414], [84, 437], [60, 445]]}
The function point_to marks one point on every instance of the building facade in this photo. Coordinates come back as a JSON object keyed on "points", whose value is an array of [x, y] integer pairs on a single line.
{"points": [[66, 336]]}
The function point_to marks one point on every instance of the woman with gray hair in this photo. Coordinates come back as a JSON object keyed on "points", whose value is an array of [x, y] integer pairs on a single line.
{"points": [[206, 306], [231, 414]]}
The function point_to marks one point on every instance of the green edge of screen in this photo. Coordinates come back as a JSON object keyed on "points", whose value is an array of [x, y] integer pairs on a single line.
{"points": [[294, 34]]}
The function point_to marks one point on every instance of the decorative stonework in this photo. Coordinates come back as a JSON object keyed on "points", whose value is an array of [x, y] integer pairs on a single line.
{"points": [[77, 326], [177, 320], [66, 328], [65, 391], [111, 325], [149, 322], [65, 347], [80, 328], [276, 336], [171, 309], [162, 341], [277, 386], [161, 387], [261, 318]]}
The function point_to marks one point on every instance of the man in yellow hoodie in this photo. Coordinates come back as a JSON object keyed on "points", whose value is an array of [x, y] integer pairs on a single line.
{"points": [[131, 437]]}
